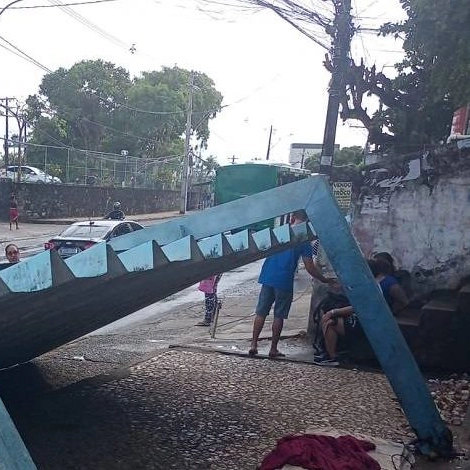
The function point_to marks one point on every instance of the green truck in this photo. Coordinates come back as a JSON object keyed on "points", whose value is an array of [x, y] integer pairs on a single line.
{"points": [[241, 180]]}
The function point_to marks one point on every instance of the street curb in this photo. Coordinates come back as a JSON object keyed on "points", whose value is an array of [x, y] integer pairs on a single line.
{"points": [[137, 218]]}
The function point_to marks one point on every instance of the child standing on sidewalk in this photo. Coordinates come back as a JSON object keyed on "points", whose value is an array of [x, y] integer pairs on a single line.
{"points": [[209, 287]]}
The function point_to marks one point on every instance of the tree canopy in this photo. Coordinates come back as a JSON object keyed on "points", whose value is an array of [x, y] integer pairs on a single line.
{"points": [[346, 156], [437, 41], [432, 81], [96, 106]]}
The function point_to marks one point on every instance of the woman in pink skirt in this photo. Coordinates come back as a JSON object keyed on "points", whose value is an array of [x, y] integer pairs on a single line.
{"points": [[209, 287]]}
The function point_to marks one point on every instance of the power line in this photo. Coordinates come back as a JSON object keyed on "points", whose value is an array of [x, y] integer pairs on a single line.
{"points": [[88, 24], [90, 2], [103, 100], [26, 56]]}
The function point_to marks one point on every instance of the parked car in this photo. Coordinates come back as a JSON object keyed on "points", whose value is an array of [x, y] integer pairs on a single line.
{"points": [[29, 174], [83, 235]]}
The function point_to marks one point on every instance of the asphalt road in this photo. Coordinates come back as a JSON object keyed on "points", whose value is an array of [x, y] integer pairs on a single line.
{"points": [[30, 238]]}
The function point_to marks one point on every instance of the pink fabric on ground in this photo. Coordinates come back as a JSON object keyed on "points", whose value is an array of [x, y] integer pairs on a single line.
{"points": [[320, 452]]}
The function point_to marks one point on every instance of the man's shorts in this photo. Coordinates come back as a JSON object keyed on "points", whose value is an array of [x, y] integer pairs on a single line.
{"points": [[281, 299]]}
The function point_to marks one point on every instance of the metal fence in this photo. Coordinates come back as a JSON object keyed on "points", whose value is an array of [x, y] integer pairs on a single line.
{"points": [[76, 166]]}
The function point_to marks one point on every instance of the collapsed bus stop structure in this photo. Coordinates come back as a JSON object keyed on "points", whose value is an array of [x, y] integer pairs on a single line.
{"points": [[46, 301]]}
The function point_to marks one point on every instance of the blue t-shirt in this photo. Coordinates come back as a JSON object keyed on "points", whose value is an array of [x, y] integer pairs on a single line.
{"points": [[386, 284], [278, 270]]}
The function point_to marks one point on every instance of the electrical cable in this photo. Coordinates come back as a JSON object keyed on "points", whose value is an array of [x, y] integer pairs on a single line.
{"points": [[89, 2], [90, 25], [26, 56], [103, 100]]}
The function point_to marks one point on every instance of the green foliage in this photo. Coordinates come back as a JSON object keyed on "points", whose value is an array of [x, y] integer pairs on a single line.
{"points": [[95, 105], [437, 46], [433, 79], [349, 156], [346, 156], [312, 163]]}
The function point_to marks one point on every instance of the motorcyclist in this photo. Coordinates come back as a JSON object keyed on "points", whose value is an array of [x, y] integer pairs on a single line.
{"points": [[116, 213]]}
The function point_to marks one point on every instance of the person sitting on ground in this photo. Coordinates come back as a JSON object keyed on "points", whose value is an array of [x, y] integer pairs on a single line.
{"points": [[209, 287], [342, 321], [116, 213], [12, 252], [402, 276], [387, 257], [277, 283], [393, 292]]}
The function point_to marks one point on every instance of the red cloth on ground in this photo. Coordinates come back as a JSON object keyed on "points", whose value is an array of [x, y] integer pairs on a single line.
{"points": [[320, 452]]}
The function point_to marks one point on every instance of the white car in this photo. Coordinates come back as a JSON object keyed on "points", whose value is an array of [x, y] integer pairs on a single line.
{"points": [[82, 235], [29, 174]]}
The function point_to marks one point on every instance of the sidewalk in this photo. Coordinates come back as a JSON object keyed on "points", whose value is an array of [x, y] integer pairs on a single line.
{"points": [[122, 399], [235, 325]]}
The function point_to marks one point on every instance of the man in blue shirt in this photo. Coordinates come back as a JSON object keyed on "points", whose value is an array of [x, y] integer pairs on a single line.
{"points": [[277, 285]]}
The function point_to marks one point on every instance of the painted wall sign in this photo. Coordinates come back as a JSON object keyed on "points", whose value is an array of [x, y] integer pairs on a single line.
{"points": [[343, 192]]}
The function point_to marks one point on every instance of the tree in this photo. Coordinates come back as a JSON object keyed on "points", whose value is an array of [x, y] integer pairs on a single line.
{"points": [[437, 41], [85, 97], [96, 106], [168, 91], [346, 156], [204, 169], [416, 107], [104, 110]]}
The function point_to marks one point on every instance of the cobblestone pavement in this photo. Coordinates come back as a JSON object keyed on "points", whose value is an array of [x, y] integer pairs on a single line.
{"points": [[193, 410], [82, 406]]}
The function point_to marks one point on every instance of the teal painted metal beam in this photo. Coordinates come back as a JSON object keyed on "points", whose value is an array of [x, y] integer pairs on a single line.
{"points": [[13, 453], [56, 301], [239, 213], [378, 322]]}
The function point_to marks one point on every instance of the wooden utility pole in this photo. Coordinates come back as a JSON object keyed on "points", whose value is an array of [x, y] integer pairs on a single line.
{"points": [[340, 57], [6, 107], [269, 142], [187, 149]]}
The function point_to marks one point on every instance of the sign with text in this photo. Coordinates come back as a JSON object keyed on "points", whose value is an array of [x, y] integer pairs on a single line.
{"points": [[342, 191]]}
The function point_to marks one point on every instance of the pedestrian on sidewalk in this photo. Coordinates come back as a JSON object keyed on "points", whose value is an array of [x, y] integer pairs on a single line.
{"points": [[209, 287], [14, 214], [277, 286]]}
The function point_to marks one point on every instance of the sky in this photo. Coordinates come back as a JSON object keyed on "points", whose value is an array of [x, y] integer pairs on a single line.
{"points": [[268, 73]]}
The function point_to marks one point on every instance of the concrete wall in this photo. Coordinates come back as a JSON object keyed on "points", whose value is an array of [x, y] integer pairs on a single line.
{"points": [[57, 200], [421, 216]]}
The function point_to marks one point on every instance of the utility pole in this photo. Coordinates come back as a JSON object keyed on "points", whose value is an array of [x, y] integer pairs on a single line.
{"points": [[269, 142], [6, 106], [341, 48], [187, 141], [302, 161]]}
